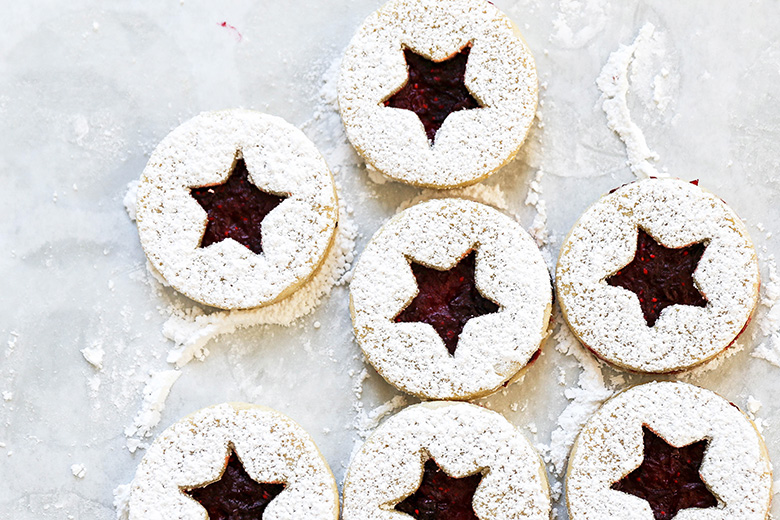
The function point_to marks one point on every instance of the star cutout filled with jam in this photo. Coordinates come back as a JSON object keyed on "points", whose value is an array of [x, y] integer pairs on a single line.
{"points": [[668, 477], [235, 209], [434, 90], [441, 497], [235, 496], [661, 276], [446, 300]]}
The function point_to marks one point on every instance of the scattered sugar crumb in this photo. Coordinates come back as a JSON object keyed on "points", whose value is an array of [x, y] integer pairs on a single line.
{"points": [[122, 501], [94, 355], [78, 470], [8, 395], [130, 199], [538, 228], [154, 395], [768, 320], [753, 406]]}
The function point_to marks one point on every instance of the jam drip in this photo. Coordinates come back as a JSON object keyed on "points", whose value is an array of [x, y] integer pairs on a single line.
{"points": [[447, 300], [235, 209], [434, 90], [661, 276], [668, 477], [441, 497], [235, 496]]}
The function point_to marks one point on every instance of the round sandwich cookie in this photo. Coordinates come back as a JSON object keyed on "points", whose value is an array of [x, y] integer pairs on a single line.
{"points": [[668, 450], [446, 461], [658, 276], [236, 209], [450, 299], [437, 93], [234, 461]]}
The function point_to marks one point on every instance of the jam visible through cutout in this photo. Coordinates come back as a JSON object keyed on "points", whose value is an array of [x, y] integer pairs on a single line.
{"points": [[668, 477], [441, 497], [235, 496], [235, 209], [661, 276], [434, 90], [447, 300]]}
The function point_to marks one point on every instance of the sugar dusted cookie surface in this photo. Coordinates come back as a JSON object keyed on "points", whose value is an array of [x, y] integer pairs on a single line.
{"points": [[612, 446], [508, 271], [204, 154], [480, 134], [643, 234], [463, 440]]}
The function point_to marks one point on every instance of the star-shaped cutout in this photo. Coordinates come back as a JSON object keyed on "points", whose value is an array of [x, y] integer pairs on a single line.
{"points": [[235, 209], [441, 497], [668, 477], [661, 276], [434, 90], [446, 300], [235, 496]]}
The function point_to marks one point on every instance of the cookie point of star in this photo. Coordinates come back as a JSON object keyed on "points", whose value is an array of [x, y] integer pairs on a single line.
{"points": [[441, 497], [668, 478], [447, 300], [434, 89], [661, 276], [235, 209], [235, 495]]}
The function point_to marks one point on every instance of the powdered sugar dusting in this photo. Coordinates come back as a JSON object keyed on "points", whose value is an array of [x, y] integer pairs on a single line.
{"points": [[148, 417]]}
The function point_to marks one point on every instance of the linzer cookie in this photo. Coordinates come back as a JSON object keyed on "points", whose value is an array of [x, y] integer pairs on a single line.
{"points": [[236, 209], [450, 299], [437, 93], [658, 276], [446, 461], [668, 450], [234, 460]]}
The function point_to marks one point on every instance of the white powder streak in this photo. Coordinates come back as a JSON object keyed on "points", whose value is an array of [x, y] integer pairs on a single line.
{"points": [[148, 417]]}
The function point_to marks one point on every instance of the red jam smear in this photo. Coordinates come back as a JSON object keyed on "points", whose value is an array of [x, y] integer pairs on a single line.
{"points": [[235, 209], [441, 497], [447, 300], [235, 496], [669, 477], [434, 90], [661, 276]]}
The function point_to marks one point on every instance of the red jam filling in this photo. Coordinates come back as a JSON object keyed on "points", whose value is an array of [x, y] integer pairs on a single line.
{"points": [[235, 496], [434, 90], [447, 300], [441, 497], [668, 477], [661, 276], [235, 209]]}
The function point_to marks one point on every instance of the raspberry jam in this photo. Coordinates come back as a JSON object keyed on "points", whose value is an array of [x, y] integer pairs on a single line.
{"points": [[447, 300], [661, 276], [441, 497], [668, 477], [434, 90], [235, 496], [235, 209]]}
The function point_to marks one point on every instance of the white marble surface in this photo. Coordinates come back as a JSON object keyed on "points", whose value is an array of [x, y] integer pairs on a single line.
{"points": [[88, 88]]}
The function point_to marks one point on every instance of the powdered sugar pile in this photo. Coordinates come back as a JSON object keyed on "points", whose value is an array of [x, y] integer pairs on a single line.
{"points": [[148, 417]]}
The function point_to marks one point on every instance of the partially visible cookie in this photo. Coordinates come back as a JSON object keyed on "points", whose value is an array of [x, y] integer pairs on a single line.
{"points": [[658, 276], [437, 93], [450, 299], [230, 460], [446, 461], [236, 209], [668, 450]]}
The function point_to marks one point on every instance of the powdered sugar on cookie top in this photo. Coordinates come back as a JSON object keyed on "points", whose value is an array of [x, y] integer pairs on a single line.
{"points": [[471, 144], [609, 319], [735, 465]]}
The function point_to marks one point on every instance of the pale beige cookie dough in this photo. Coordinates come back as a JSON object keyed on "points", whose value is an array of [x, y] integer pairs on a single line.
{"points": [[463, 439], [609, 320], [492, 348], [471, 144], [296, 234], [271, 447], [735, 468]]}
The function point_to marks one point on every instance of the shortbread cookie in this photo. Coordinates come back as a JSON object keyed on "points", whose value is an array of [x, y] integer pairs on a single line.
{"points": [[234, 460], [450, 299], [665, 449], [207, 189], [446, 461], [658, 276], [437, 93]]}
